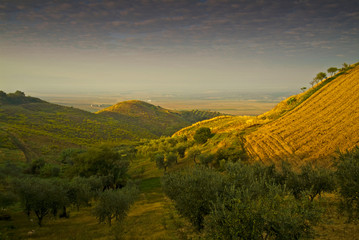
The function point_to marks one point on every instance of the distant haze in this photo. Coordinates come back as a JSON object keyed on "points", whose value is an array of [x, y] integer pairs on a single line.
{"points": [[173, 46]]}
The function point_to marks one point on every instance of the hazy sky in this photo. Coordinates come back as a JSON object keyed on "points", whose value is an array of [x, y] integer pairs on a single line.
{"points": [[173, 45]]}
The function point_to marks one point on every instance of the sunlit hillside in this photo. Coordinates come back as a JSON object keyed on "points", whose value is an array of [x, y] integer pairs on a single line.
{"points": [[313, 125], [157, 120], [324, 123]]}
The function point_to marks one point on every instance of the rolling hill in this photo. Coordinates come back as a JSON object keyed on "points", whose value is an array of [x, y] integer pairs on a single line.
{"points": [[311, 126], [155, 119], [31, 128]]}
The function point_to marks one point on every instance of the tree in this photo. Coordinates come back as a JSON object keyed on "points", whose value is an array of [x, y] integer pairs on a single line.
{"points": [[248, 212], [19, 93], [163, 161], [345, 66], [309, 182], [315, 181], [193, 153], [80, 192], [40, 196], [2, 95], [202, 135], [36, 166], [332, 70], [320, 76], [192, 192], [206, 158], [181, 149], [114, 204], [313, 82], [7, 198], [256, 204], [102, 162], [347, 174], [303, 88]]}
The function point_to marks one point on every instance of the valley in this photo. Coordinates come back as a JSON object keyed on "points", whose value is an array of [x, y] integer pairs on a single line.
{"points": [[179, 172]]}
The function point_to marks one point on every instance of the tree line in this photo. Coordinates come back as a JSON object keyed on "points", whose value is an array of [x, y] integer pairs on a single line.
{"points": [[332, 71], [96, 175]]}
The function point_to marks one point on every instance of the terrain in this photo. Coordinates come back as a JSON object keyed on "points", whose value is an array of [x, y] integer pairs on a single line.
{"points": [[157, 120], [31, 128], [228, 102], [311, 126]]}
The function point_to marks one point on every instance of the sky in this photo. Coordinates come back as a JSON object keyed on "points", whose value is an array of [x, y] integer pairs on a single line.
{"points": [[173, 45]]}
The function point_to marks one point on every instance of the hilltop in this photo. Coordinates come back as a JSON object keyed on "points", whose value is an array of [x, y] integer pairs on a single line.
{"points": [[311, 126], [159, 121]]}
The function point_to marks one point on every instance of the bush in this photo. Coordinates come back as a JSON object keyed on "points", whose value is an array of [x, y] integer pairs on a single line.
{"points": [[42, 196], [243, 202], [202, 135], [246, 213], [348, 180], [192, 192], [114, 204]]}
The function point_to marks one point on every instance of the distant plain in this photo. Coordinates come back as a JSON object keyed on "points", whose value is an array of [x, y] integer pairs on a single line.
{"points": [[234, 103]]}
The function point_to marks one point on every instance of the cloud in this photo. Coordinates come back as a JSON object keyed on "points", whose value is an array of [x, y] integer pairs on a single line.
{"points": [[185, 24]]}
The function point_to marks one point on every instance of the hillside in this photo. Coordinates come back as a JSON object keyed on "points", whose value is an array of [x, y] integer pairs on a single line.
{"points": [[325, 122], [157, 120], [311, 126], [31, 128]]}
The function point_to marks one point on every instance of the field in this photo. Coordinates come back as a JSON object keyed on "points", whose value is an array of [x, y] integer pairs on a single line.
{"points": [[234, 105], [311, 126], [323, 124]]}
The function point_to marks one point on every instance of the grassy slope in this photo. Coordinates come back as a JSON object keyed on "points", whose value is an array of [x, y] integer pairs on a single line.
{"points": [[157, 120], [31, 128], [44, 129]]}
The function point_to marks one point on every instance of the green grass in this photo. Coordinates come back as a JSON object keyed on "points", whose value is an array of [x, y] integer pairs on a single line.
{"points": [[150, 184]]}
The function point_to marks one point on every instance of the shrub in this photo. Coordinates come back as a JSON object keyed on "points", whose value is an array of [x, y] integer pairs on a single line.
{"points": [[192, 192], [348, 180], [114, 204], [202, 135]]}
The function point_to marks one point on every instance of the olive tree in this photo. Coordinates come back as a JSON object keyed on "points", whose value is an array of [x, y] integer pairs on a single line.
{"points": [[260, 211], [193, 191], [102, 162], [348, 180], [202, 135], [114, 204], [163, 161], [41, 196]]}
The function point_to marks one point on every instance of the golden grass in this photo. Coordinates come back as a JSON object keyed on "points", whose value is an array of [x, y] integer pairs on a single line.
{"points": [[324, 123]]}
